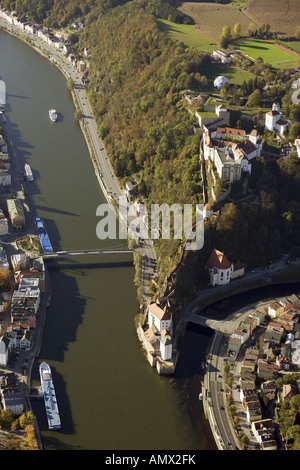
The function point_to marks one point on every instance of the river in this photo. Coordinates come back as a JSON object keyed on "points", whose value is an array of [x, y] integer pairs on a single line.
{"points": [[108, 395]]}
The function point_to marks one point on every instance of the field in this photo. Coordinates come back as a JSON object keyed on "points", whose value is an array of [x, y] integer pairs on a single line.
{"points": [[270, 53], [282, 15], [211, 17], [186, 34]]}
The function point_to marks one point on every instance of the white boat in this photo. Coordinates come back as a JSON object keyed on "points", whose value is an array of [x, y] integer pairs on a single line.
{"points": [[28, 172], [49, 397], [53, 114]]}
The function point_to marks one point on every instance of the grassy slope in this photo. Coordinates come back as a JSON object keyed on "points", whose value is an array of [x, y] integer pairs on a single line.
{"points": [[270, 53]]}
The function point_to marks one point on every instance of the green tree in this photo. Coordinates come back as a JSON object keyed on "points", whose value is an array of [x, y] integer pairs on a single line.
{"points": [[226, 32], [253, 100], [294, 131], [237, 30]]}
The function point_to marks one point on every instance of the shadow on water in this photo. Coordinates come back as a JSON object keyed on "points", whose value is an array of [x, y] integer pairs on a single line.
{"points": [[62, 321]]}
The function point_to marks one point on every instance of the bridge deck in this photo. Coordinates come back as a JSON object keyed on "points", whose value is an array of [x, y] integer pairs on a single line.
{"points": [[61, 254]]}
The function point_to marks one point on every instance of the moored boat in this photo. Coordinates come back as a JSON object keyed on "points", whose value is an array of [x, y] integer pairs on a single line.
{"points": [[43, 235], [28, 172], [53, 114], [49, 394]]}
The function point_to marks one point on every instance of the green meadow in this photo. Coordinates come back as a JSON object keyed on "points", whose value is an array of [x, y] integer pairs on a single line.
{"points": [[270, 53], [186, 34]]}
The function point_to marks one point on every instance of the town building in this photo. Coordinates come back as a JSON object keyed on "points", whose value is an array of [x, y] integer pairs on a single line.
{"points": [[224, 56], [4, 349], [16, 213], [264, 432]]}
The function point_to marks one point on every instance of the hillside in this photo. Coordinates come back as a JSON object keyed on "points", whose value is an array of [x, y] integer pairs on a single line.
{"points": [[283, 17]]}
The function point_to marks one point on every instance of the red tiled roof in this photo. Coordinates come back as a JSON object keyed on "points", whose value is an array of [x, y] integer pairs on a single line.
{"points": [[217, 259]]}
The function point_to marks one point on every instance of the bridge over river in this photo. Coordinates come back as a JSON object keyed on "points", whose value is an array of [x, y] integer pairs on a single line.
{"points": [[63, 254], [224, 326]]}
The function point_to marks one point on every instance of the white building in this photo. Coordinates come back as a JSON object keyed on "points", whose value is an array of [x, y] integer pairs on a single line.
{"points": [[4, 349], [223, 56], [12, 400], [242, 334], [219, 267], [274, 121], [160, 317]]}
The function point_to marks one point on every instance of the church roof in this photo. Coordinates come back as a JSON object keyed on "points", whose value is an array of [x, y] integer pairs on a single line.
{"points": [[217, 259]]}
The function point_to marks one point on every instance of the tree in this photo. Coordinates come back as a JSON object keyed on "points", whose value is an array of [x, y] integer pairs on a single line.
{"points": [[237, 30], [253, 100], [297, 33], [226, 33], [26, 419], [294, 131]]}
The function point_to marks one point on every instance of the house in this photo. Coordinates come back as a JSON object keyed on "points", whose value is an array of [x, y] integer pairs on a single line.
{"points": [[4, 349], [36, 269], [129, 189], [251, 358], [25, 302], [20, 337], [238, 270], [251, 404], [12, 400], [222, 55], [207, 211], [247, 378], [264, 432], [266, 370], [295, 352], [288, 391], [283, 360], [274, 120], [18, 261], [269, 388], [275, 309], [241, 334], [16, 213], [219, 267], [273, 334]]}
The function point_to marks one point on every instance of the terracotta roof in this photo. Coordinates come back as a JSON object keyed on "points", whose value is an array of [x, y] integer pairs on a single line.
{"points": [[160, 313], [217, 259], [231, 131]]}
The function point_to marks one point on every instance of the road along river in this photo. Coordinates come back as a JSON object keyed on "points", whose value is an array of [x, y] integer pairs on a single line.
{"points": [[108, 396]]}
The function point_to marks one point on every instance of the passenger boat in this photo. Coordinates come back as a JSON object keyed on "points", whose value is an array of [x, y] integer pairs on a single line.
{"points": [[52, 412]]}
